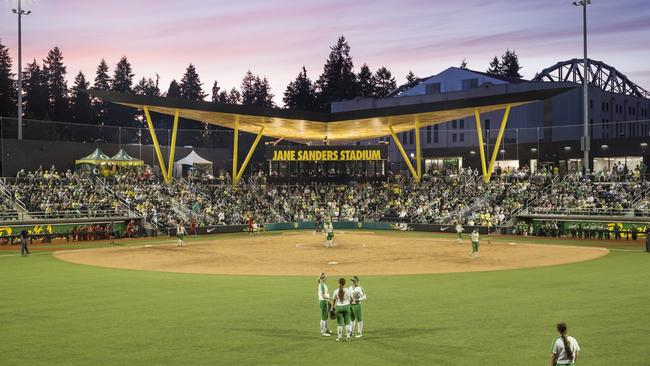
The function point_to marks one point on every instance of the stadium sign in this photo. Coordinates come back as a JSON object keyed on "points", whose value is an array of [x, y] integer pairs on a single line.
{"points": [[327, 153]]}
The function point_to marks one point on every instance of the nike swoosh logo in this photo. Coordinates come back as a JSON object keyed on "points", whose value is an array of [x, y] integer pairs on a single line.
{"points": [[211, 230], [444, 228]]}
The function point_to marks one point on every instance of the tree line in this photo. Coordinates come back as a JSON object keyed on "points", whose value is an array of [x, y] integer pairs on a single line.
{"points": [[47, 96]]}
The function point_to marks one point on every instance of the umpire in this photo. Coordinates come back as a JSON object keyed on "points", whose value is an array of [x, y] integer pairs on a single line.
{"points": [[24, 236]]}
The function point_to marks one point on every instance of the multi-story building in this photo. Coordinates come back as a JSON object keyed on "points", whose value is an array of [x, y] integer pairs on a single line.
{"points": [[540, 133]]}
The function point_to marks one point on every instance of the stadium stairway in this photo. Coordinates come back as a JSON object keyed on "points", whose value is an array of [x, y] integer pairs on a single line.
{"points": [[17, 205]]}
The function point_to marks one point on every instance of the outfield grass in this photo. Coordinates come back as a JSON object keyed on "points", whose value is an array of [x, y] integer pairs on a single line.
{"points": [[57, 313]]}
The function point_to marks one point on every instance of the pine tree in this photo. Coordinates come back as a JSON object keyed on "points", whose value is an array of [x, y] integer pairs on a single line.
{"points": [[338, 80], [256, 91], [102, 82], [174, 90], [215, 92], [81, 107], [384, 82], [122, 76], [121, 82], [510, 65], [365, 82], [191, 86], [147, 86], [410, 77], [248, 88], [300, 93], [234, 97], [463, 64], [35, 93], [8, 95], [54, 72], [495, 67]]}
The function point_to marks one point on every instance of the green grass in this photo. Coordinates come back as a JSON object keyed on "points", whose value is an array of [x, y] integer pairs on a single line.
{"points": [[57, 313]]}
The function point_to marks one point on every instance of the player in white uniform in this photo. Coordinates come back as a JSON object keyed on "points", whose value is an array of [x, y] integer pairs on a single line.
{"points": [[329, 234], [323, 302], [459, 231], [341, 300], [565, 349], [180, 234], [356, 307]]}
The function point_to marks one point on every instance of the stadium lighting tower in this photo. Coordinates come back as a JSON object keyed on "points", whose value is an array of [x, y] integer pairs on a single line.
{"points": [[585, 86], [20, 12]]}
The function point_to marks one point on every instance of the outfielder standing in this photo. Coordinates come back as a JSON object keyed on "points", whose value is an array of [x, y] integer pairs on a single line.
{"points": [[474, 244], [323, 301], [329, 234], [565, 349], [358, 296], [180, 234], [341, 306]]}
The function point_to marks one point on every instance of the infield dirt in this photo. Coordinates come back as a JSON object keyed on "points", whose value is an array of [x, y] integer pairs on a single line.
{"points": [[302, 253]]}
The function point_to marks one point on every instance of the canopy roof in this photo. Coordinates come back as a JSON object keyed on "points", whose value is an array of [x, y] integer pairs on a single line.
{"points": [[192, 158], [97, 157], [350, 125], [123, 158]]}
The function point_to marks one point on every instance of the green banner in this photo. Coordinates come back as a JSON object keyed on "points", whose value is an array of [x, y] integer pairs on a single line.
{"points": [[567, 226], [10, 230]]}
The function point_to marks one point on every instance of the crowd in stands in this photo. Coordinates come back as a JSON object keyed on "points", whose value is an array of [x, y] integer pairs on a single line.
{"points": [[50, 194], [442, 196], [601, 193]]}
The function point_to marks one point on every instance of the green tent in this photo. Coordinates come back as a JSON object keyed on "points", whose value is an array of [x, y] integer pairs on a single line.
{"points": [[97, 157], [122, 158]]}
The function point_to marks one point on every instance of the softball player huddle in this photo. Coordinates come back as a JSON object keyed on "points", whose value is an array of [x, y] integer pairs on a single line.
{"points": [[346, 307]]}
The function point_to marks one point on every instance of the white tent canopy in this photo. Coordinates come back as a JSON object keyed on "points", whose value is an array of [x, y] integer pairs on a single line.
{"points": [[192, 160]]}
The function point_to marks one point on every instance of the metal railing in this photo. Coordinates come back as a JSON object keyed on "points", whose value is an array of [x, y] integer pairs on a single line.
{"points": [[567, 211]]}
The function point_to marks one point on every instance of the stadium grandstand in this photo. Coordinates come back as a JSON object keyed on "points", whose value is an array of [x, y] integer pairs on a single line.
{"points": [[460, 146]]}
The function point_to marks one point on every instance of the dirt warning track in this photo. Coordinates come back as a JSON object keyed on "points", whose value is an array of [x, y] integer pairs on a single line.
{"points": [[360, 253]]}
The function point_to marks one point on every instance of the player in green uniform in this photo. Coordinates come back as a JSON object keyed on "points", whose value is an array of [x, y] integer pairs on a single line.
{"points": [[323, 302], [459, 231], [180, 234], [341, 304], [329, 234], [356, 307], [474, 253]]}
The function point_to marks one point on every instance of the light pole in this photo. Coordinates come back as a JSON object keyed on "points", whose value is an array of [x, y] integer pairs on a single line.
{"points": [[585, 87], [20, 12]]}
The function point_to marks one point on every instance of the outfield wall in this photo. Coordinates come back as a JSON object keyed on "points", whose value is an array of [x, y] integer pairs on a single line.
{"points": [[343, 225]]}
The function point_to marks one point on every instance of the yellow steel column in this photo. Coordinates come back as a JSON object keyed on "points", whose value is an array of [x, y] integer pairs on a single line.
{"points": [[401, 150], [235, 149], [249, 155], [172, 148], [156, 146], [497, 145], [481, 150], [418, 149]]}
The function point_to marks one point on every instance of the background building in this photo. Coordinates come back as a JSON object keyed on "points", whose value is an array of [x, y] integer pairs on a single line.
{"points": [[540, 133]]}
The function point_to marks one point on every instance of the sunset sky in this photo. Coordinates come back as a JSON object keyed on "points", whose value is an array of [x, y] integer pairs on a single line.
{"points": [[275, 38]]}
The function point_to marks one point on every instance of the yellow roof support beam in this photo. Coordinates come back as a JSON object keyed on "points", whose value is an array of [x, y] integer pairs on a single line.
{"points": [[401, 150]]}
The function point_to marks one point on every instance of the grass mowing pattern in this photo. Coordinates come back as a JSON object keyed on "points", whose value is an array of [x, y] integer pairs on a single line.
{"points": [[54, 312]]}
